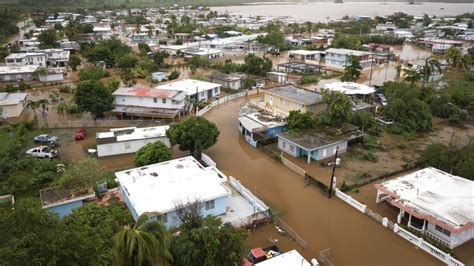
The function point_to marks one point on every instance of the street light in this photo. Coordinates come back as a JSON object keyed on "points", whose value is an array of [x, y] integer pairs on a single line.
{"points": [[333, 170]]}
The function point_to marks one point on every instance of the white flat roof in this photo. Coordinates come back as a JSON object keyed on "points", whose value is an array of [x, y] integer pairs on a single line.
{"points": [[159, 187], [289, 258], [5, 70], [347, 52], [349, 88], [136, 134], [23, 55], [11, 98], [304, 52], [432, 192], [190, 86]]}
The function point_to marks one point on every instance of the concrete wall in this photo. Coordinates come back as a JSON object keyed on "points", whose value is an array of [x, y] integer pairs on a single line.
{"points": [[16, 77], [220, 206], [288, 147], [129, 204], [235, 85], [330, 150], [124, 147], [9, 111], [51, 77], [39, 60], [454, 239], [318, 154], [204, 95], [65, 209], [148, 102]]}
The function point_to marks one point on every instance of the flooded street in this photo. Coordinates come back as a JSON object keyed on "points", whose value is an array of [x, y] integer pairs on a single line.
{"points": [[354, 238], [323, 11]]}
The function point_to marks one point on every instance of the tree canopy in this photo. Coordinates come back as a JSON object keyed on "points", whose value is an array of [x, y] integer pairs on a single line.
{"points": [[93, 97], [256, 65], [151, 153], [298, 120], [194, 134], [353, 69], [339, 108]]}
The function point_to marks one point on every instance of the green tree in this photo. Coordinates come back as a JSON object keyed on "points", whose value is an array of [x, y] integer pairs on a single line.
{"points": [[127, 61], [339, 108], [91, 96], [91, 73], [228, 67], [297, 120], [347, 42], [174, 74], [352, 70], [412, 75], [256, 65], [152, 153], [146, 243], [48, 39], [431, 67], [364, 120], [81, 175], [143, 48], [463, 94], [248, 82], [456, 59], [194, 134], [74, 61], [213, 243], [159, 58]]}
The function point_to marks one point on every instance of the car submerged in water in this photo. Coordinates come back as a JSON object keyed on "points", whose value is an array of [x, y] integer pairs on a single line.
{"points": [[43, 152]]}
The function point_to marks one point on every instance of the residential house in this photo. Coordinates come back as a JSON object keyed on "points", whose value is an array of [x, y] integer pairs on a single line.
{"points": [[12, 104], [17, 73], [283, 78], [434, 203], [292, 257], [281, 100], [52, 75], [197, 89], [233, 81], [26, 59], [205, 53], [257, 125], [129, 139], [340, 57], [158, 76], [168, 187], [361, 95], [140, 100], [304, 55], [62, 201]]}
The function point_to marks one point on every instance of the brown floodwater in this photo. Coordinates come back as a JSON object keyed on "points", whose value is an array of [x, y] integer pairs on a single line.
{"points": [[355, 239]]}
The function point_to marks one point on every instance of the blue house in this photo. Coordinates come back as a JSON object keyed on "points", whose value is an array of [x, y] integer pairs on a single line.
{"points": [[257, 125], [62, 201], [315, 145]]}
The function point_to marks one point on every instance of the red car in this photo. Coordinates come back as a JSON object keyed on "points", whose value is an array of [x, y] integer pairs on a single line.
{"points": [[80, 134]]}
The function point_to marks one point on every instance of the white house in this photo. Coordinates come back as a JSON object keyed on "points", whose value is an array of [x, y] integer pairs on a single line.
{"points": [[305, 55], [435, 203], [16, 73], [360, 94], [168, 186], [291, 257], [129, 139], [340, 57], [141, 100], [12, 104], [201, 90], [52, 75], [24, 59]]}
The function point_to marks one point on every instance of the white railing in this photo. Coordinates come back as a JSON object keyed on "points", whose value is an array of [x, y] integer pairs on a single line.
{"points": [[293, 167], [354, 203], [234, 183], [221, 101], [434, 251]]}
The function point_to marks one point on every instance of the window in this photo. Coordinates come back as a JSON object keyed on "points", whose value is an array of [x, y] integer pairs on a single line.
{"points": [[216, 90], [163, 101], [127, 145], [292, 148], [442, 230], [164, 218], [283, 144], [155, 100], [209, 205]]}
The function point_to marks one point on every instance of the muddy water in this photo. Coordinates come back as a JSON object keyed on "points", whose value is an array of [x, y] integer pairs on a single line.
{"points": [[324, 10], [354, 238]]}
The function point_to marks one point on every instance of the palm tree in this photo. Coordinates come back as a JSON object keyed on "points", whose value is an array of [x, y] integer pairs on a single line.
{"points": [[33, 105], [412, 75], [43, 103], [432, 66], [71, 29], [456, 59], [145, 243]]}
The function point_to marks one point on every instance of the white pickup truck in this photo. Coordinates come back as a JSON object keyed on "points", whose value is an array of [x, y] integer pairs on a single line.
{"points": [[43, 152]]}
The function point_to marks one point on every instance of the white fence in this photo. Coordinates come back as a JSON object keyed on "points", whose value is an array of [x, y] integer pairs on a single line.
{"points": [[234, 183], [221, 101], [434, 251], [354, 203], [293, 167]]}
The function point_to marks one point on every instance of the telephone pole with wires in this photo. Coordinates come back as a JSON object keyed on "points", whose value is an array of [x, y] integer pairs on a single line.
{"points": [[333, 171]]}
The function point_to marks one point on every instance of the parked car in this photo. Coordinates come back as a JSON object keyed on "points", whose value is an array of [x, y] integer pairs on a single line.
{"points": [[80, 134], [45, 138], [382, 98], [43, 152]]}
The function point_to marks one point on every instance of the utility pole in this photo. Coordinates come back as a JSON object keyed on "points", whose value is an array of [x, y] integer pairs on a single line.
{"points": [[333, 170]]}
